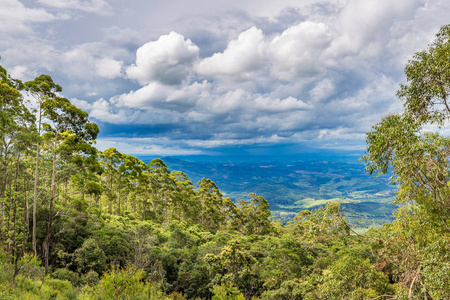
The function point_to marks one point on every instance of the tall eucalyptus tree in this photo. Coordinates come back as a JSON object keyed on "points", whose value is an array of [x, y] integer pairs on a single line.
{"points": [[68, 134], [42, 88]]}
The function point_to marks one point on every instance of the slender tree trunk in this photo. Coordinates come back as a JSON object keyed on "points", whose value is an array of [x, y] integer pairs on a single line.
{"points": [[14, 250], [50, 214], [16, 270], [65, 191], [118, 207], [144, 205], [36, 173], [111, 196], [155, 209], [5, 175], [35, 195], [118, 202], [4, 184], [8, 225], [27, 214]]}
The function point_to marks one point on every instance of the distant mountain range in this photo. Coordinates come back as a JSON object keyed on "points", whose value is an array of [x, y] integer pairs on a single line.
{"points": [[294, 185]]}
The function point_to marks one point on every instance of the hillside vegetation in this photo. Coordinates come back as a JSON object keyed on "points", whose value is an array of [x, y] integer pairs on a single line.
{"points": [[78, 223]]}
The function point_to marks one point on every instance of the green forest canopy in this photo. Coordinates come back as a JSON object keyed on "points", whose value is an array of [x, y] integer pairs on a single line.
{"points": [[78, 223]]}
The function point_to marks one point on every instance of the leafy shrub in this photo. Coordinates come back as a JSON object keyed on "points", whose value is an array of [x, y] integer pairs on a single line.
{"points": [[226, 292], [66, 274], [57, 289], [90, 257], [91, 278], [122, 284]]}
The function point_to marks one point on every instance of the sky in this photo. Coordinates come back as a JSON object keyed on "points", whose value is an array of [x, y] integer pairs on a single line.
{"points": [[204, 77]]}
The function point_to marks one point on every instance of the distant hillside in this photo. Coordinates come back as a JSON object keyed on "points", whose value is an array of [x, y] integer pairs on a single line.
{"points": [[294, 186]]}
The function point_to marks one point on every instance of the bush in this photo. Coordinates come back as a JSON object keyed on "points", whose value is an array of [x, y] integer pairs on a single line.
{"points": [[6, 291], [353, 278], [66, 274], [122, 284], [226, 292], [91, 278], [26, 284], [57, 289], [90, 257]]}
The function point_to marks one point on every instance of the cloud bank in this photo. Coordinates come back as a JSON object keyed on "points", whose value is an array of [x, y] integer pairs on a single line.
{"points": [[322, 72]]}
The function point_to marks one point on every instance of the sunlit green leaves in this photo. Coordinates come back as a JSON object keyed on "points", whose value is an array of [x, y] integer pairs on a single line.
{"points": [[427, 93]]}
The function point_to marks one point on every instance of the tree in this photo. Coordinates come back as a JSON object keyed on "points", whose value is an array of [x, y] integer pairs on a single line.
{"points": [[11, 116], [353, 278], [211, 203], [161, 186], [426, 95], [126, 284], [226, 292], [255, 215], [68, 133], [184, 207], [323, 224], [419, 160], [17, 135], [420, 166], [234, 259], [110, 159], [42, 88]]}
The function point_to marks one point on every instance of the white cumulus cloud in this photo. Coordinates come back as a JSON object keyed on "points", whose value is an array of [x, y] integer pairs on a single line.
{"points": [[365, 25], [15, 17], [240, 60], [109, 68], [297, 52], [167, 60]]}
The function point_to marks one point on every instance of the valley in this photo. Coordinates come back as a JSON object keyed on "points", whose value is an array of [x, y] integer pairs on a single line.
{"points": [[296, 185]]}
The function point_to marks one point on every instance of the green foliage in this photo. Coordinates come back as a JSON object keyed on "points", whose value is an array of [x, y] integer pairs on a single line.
{"points": [[289, 290], [253, 216], [428, 74], [28, 285], [57, 289], [233, 258], [226, 292], [126, 284], [210, 198], [413, 250], [90, 257], [67, 275], [91, 278], [436, 268], [353, 278], [122, 284]]}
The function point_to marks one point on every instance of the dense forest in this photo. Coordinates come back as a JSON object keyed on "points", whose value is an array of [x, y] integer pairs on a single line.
{"points": [[78, 223]]}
